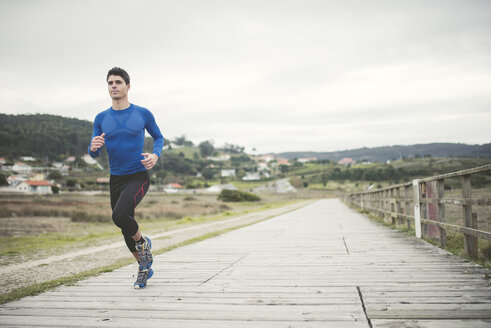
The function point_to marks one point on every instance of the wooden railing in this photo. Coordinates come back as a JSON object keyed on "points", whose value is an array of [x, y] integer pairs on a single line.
{"points": [[420, 205]]}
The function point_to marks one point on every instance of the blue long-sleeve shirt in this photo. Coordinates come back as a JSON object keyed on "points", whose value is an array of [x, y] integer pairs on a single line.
{"points": [[124, 137]]}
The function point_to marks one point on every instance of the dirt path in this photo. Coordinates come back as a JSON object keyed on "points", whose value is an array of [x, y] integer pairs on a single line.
{"points": [[36, 271]]}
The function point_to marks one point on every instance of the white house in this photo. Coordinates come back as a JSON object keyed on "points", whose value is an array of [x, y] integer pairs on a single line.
{"points": [[32, 186], [229, 173], [62, 167], [261, 166], [172, 188], [21, 168], [251, 176], [306, 160], [219, 188], [71, 159], [14, 180], [267, 158], [27, 159], [346, 161]]}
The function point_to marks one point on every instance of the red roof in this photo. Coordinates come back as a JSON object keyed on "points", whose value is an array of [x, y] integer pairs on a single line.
{"points": [[175, 185], [346, 160], [38, 182]]}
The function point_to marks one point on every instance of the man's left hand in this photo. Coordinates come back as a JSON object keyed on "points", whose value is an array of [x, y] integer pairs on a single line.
{"points": [[150, 160]]}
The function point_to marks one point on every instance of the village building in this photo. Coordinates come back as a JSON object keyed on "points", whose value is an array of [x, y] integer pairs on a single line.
{"points": [[346, 161], [219, 188], [62, 167], [261, 166], [27, 159], [307, 159], [14, 180], [172, 188], [70, 159], [22, 168], [32, 186], [37, 176], [266, 158], [282, 161], [252, 176], [228, 173]]}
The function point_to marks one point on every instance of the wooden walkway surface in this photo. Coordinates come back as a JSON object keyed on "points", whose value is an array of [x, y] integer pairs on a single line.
{"points": [[323, 265]]}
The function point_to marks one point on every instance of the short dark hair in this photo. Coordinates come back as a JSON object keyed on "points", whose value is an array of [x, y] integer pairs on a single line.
{"points": [[119, 72]]}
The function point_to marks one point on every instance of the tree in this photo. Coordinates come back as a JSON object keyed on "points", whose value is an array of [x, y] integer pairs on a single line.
{"points": [[54, 175], [284, 168], [324, 179], [206, 148], [182, 141], [233, 148], [208, 174], [3, 180], [71, 182]]}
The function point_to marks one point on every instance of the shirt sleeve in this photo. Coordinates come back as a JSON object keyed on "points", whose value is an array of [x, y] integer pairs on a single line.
{"points": [[154, 131], [97, 131]]}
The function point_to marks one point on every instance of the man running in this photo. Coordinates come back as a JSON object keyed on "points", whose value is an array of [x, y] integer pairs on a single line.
{"points": [[122, 129]]}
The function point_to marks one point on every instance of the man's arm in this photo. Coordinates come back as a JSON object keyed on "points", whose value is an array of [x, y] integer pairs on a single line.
{"points": [[97, 140], [158, 141]]}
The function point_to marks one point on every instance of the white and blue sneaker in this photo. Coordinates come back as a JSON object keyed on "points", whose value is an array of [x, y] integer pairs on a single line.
{"points": [[143, 276], [146, 260]]}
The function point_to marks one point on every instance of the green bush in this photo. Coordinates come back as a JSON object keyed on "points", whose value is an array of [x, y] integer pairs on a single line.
{"points": [[237, 196]]}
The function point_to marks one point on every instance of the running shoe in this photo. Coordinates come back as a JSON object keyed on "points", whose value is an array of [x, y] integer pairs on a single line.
{"points": [[145, 254], [143, 276]]}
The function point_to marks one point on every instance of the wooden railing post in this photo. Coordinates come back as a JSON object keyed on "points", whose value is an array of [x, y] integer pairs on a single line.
{"points": [[423, 208], [470, 250], [417, 209], [400, 220], [392, 206], [440, 187], [407, 191], [475, 245], [432, 209]]}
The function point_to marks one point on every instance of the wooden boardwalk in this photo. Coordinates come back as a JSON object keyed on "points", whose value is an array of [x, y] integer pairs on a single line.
{"points": [[323, 265]]}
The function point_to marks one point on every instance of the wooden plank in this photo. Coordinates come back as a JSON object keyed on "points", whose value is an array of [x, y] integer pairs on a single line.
{"points": [[265, 313], [431, 323], [79, 321]]}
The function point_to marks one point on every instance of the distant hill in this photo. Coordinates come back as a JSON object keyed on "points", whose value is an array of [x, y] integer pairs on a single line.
{"points": [[42, 135], [382, 154]]}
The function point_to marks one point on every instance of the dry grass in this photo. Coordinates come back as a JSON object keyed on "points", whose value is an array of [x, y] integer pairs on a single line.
{"points": [[27, 215]]}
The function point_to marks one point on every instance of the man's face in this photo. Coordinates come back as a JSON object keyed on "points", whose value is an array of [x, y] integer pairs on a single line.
{"points": [[118, 89]]}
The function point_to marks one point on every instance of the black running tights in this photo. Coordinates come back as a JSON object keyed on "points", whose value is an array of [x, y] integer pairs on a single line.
{"points": [[127, 191]]}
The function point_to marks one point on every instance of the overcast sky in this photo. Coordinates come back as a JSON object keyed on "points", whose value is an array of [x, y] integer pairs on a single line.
{"points": [[274, 75]]}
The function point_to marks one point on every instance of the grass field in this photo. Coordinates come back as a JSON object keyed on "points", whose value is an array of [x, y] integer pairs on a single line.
{"points": [[40, 224]]}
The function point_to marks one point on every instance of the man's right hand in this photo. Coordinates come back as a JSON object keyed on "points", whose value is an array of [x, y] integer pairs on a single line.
{"points": [[97, 142]]}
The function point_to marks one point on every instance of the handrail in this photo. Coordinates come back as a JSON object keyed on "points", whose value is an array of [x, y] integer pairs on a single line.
{"points": [[422, 207]]}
